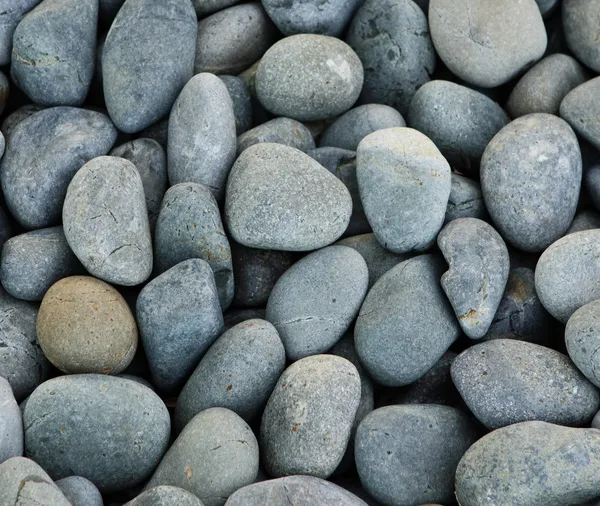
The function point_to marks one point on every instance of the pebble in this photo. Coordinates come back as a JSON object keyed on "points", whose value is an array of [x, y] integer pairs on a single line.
{"points": [[585, 220], [591, 179], [204, 7], [13, 10], [80, 491], [2, 145], [119, 435], [580, 31], [286, 131], [11, 424], [582, 339], [165, 495], [14, 118], [465, 201], [235, 316], [405, 205], [309, 77], [580, 107], [242, 103]]}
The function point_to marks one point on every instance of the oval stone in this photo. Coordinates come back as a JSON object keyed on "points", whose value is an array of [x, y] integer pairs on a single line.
{"points": [[465, 201], [580, 108], [286, 131], [14, 10], [242, 102], [582, 337], [581, 31], [164, 495], [11, 424], [80, 491]]}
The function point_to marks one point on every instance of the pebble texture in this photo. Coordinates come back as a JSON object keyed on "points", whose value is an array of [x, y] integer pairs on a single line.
{"points": [[165, 495], [11, 424], [581, 32], [242, 102], [204, 7], [116, 417], [465, 201], [286, 131], [142, 74], [582, 337], [80, 491], [585, 220], [14, 10], [580, 109], [23, 112]]}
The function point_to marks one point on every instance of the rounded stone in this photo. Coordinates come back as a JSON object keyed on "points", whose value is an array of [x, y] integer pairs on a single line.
{"points": [[465, 201], [80, 491], [297, 205], [309, 77], [242, 102], [487, 44], [43, 154], [405, 323], [582, 337], [202, 135], [581, 31], [11, 423], [165, 495], [13, 119], [315, 301], [391, 37], [234, 316], [286, 131], [204, 7], [116, 417], [147, 60], [531, 178], [215, 455], [585, 220], [404, 184], [408, 454], [308, 420], [106, 221], [14, 10], [580, 108], [179, 317], [505, 381]]}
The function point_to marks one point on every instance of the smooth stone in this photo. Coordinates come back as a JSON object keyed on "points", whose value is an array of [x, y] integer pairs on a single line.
{"points": [[53, 52], [404, 184], [487, 44], [14, 11], [43, 154], [582, 337], [477, 275], [215, 455], [80, 491], [544, 86], [530, 463], [465, 201], [405, 323], [150, 160], [14, 118], [309, 77], [4, 91], [179, 317], [391, 37], [231, 40], [460, 121], [11, 424], [505, 381], [119, 435], [106, 221], [32, 262], [308, 420], [297, 205], [585, 220], [531, 178], [581, 31], [147, 60], [238, 372], [315, 301], [242, 103], [286, 131], [408, 454], [189, 226], [596, 421], [204, 7], [202, 134], [580, 108], [165, 495], [235, 316]]}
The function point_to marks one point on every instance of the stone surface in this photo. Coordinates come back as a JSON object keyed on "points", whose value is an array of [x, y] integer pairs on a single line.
{"points": [[242, 102], [108, 9], [165, 495], [204, 7], [581, 31], [11, 424], [14, 118], [465, 201], [80, 491], [585, 220], [582, 338], [14, 10], [580, 108], [286, 131], [235, 316]]}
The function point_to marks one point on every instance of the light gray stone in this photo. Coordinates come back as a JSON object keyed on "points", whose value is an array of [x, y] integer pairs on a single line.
{"points": [[13, 119], [80, 491], [14, 10], [165, 495], [11, 423], [286, 131], [580, 108], [581, 30], [582, 338], [465, 201]]}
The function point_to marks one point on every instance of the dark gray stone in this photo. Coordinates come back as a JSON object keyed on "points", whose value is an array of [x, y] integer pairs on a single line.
{"points": [[505, 381], [4, 91], [596, 421], [53, 54], [297, 205], [215, 455], [13, 10], [106, 221], [242, 103], [582, 338], [235, 316], [580, 108], [391, 37], [308, 420], [309, 77], [585, 220], [286, 131], [405, 323], [408, 454], [158, 132], [238, 372], [581, 30], [591, 179], [108, 9], [204, 7], [116, 417], [531, 178], [80, 491], [43, 154], [404, 184], [165, 495], [179, 317], [13, 119], [147, 60], [547, 6], [11, 423], [189, 226], [465, 201]]}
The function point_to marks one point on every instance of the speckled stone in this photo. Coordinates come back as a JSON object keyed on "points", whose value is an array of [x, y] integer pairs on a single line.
{"points": [[405, 323], [147, 60], [13, 10], [242, 103], [286, 131], [80, 491], [53, 52], [580, 108], [582, 340], [297, 205], [115, 416], [585, 220], [530, 463], [215, 455], [13, 119], [106, 221], [465, 201], [391, 37], [404, 184], [165, 495], [581, 30], [309, 77], [11, 423], [43, 154]]}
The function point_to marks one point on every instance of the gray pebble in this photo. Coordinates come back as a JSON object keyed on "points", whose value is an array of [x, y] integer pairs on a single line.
{"points": [[106, 221], [580, 108], [582, 340], [165, 495], [80, 491], [242, 103], [581, 30], [547, 6], [11, 423], [596, 421], [235, 316], [13, 10], [215, 455], [465, 201], [297, 204], [120, 433], [585, 220], [158, 132], [13, 119], [43, 154], [309, 77], [179, 317], [53, 53], [405, 206], [147, 60], [308, 420], [202, 135], [286, 131], [405, 323], [314, 302], [189, 226], [391, 37], [408, 454], [204, 7], [505, 381]]}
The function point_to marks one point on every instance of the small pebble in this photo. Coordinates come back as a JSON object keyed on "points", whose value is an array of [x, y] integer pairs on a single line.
{"points": [[286, 131], [165, 495], [80, 491], [14, 10], [242, 103], [582, 338], [465, 201], [581, 32], [580, 109], [585, 220]]}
